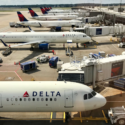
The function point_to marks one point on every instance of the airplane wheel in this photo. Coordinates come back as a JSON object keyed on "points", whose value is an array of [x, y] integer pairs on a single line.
{"points": [[121, 121]]}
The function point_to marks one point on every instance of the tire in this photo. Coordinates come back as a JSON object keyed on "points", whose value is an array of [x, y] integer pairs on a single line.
{"points": [[121, 121]]}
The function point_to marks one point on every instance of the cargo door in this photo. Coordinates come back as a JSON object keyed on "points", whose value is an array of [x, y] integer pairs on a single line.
{"points": [[68, 99], [1, 106]]}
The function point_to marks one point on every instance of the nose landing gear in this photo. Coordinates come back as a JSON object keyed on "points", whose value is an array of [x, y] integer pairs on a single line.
{"points": [[77, 45], [68, 117]]}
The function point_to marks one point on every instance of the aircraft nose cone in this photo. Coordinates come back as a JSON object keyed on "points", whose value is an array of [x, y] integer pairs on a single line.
{"points": [[102, 101]]}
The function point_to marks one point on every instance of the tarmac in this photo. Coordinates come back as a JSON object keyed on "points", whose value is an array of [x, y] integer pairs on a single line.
{"points": [[11, 72]]}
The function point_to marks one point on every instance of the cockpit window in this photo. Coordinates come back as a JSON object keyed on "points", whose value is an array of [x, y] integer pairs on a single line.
{"points": [[84, 35], [93, 93], [90, 96], [85, 97]]}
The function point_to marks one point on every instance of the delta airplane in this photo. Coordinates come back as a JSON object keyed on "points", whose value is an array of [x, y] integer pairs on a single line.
{"points": [[52, 17], [44, 12], [48, 96], [56, 10], [36, 38], [51, 24]]}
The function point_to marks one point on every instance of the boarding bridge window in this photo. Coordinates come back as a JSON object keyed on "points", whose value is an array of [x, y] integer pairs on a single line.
{"points": [[42, 99], [93, 93], [85, 97], [73, 77], [90, 96]]}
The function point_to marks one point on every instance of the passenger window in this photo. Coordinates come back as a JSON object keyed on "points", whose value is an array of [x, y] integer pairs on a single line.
{"points": [[93, 93], [85, 97], [90, 96], [33, 99], [55, 99], [37, 99], [46, 99], [16, 99], [50, 99], [42, 99], [7, 99], [20, 99], [29, 99], [24, 99]]}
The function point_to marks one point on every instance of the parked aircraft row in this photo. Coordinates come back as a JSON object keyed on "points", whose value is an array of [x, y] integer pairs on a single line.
{"points": [[51, 17], [51, 24]]}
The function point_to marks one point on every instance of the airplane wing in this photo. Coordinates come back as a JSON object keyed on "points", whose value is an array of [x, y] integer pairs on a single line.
{"points": [[26, 43], [29, 43]]}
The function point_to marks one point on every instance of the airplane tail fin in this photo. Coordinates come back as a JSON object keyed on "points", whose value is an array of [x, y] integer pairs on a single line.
{"points": [[32, 12], [21, 17], [43, 11]]}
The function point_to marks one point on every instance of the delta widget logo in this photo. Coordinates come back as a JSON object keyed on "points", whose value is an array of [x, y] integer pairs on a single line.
{"points": [[21, 17]]}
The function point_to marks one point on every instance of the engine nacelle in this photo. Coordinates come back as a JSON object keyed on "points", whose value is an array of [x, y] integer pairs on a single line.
{"points": [[58, 28], [44, 46]]}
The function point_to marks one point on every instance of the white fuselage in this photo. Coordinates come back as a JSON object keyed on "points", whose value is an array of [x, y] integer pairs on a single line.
{"points": [[47, 96], [59, 11], [55, 14], [49, 37], [51, 23], [58, 17]]}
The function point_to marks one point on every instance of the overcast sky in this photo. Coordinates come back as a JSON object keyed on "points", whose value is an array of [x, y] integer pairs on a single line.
{"points": [[23, 2]]}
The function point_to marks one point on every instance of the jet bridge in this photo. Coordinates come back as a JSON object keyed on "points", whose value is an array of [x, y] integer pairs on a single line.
{"points": [[97, 70], [94, 31]]}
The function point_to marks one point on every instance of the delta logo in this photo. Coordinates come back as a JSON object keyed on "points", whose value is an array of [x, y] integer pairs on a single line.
{"points": [[42, 93], [21, 17], [32, 12]]}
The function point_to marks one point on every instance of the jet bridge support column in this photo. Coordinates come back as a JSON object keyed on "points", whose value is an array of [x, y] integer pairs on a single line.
{"points": [[94, 75]]}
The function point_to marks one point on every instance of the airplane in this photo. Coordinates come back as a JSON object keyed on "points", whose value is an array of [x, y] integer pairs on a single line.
{"points": [[44, 12], [51, 17], [36, 39], [48, 96], [50, 24]]}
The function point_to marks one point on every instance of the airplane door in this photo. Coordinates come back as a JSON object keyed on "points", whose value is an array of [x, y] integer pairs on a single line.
{"points": [[1, 106], [68, 99]]}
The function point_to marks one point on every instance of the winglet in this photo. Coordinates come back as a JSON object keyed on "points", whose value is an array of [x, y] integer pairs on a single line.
{"points": [[30, 29], [4, 43], [33, 14]]}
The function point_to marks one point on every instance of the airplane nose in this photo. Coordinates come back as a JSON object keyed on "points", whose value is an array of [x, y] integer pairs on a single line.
{"points": [[102, 100]]}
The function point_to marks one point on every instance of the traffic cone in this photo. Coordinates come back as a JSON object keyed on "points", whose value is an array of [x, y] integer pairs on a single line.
{"points": [[14, 63], [19, 63]]}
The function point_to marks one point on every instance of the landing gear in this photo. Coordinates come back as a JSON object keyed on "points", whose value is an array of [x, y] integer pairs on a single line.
{"points": [[31, 48], [77, 45], [68, 117]]}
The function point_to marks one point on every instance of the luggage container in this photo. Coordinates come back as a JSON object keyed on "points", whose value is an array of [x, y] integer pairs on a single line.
{"points": [[102, 53], [26, 66], [53, 61], [95, 56], [119, 83], [44, 46], [111, 55]]}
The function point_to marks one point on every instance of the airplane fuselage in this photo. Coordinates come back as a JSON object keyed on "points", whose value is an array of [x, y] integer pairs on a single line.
{"points": [[58, 17], [51, 23], [48, 37], [48, 96]]}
